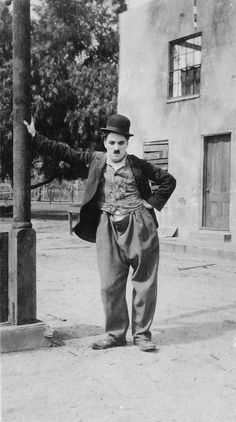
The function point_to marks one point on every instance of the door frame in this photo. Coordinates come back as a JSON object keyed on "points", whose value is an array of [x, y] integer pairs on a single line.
{"points": [[203, 159]]}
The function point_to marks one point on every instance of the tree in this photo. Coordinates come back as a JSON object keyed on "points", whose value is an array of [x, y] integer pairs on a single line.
{"points": [[75, 47], [75, 50], [6, 165]]}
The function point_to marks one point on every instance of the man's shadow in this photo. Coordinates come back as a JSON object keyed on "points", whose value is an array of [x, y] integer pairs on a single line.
{"points": [[176, 330]]}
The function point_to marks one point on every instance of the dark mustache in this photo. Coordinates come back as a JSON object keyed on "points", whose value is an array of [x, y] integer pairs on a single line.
{"points": [[116, 151]]}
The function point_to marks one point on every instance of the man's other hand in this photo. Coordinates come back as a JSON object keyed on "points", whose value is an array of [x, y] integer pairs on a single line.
{"points": [[31, 127]]}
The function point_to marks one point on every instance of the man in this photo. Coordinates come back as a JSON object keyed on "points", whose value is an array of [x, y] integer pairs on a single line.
{"points": [[118, 214]]}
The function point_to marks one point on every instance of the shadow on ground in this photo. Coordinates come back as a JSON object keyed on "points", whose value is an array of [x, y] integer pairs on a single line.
{"points": [[49, 215], [75, 331], [170, 331], [210, 310], [184, 333]]}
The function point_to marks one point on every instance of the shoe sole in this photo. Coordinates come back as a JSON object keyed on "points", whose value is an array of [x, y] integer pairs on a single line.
{"points": [[146, 347], [110, 346]]}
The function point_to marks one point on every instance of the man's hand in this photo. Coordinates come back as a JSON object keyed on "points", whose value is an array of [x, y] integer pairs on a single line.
{"points": [[31, 127], [146, 204]]}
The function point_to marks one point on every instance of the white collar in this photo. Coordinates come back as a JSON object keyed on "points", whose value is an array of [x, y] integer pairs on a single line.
{"points": [[117, 166]]}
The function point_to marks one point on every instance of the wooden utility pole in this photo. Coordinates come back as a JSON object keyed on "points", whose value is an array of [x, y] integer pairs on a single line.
{"points": [[22, 239], [22, 331], [21, 110]]}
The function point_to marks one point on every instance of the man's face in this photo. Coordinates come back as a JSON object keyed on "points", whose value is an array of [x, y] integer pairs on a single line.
{"points": [[116, 146]]}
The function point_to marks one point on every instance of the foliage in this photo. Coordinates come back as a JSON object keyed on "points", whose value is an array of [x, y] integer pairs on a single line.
{"points": [[5, 92], [75, 49]]}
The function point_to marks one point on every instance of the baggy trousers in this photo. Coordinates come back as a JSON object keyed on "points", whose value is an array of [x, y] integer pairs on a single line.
{"points": [[132, 242]]}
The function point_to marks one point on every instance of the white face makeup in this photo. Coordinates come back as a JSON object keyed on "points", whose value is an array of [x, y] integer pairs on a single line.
{"points": [[116, 146]]}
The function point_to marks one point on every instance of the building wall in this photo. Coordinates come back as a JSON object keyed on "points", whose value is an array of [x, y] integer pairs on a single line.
{"points": [[145, 33]]}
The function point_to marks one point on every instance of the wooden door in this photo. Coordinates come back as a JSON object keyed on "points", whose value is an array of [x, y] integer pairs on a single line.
{"points": [[216, 182]]}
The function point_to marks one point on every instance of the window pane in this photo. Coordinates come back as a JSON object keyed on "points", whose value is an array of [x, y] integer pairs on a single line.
{"points": [[176, 88], [197, 80], [189, 59], [185, 66], [182, 61], [197, 57], [176, 77]]}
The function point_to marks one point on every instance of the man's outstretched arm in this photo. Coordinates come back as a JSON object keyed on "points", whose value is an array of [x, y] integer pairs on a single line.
{"points": [[59, 150]]}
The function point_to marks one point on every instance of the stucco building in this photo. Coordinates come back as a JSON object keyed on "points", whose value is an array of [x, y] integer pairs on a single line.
{"points": [[178, 86]]}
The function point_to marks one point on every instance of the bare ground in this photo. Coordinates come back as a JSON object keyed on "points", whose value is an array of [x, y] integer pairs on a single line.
{"points": [[192, 378]]}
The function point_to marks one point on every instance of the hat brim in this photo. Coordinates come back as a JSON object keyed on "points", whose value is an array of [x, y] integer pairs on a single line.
{"points": [[113, 129]]}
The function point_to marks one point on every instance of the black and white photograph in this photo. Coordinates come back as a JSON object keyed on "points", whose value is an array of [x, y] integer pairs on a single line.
{"points": [[117, 211]]}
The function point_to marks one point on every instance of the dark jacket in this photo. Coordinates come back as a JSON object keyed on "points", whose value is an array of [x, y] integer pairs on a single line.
{"points": [[90, 165]]}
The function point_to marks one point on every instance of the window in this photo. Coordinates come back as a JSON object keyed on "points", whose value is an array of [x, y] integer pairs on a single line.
{"points": [[156, 152], [185, 66]]}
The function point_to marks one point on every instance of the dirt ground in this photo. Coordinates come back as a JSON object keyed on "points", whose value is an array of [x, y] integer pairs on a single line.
{"points": [[192, 378]]}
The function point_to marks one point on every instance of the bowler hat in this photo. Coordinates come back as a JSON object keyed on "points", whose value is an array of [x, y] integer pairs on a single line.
{"points": [[118, 124]]}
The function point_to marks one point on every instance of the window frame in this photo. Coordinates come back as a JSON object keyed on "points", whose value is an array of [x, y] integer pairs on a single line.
{"points": [[170, 97]]}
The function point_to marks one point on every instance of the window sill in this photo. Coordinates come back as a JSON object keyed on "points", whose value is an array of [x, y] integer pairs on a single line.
{"points": [[177, 99]]}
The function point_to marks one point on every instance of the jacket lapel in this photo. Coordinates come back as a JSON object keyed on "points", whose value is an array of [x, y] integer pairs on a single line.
{"points": [[101, 162], [136, 168], [94, 176]]}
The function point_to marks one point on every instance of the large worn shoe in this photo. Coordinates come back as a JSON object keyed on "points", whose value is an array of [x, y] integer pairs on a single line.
{"points": [[145, 345], [108, 343]]}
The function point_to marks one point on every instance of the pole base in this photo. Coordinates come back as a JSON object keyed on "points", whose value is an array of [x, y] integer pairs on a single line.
{"points": [[22, 276], [16, 338]]}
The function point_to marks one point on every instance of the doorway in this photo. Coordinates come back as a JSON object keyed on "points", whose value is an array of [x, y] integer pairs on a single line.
{"points": [[216, 182]]}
